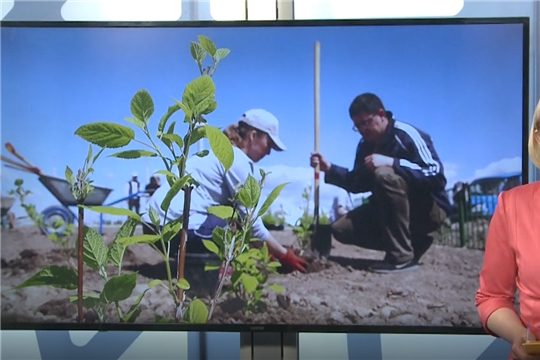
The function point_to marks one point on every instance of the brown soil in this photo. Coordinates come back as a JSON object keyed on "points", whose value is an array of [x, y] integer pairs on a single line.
{"points": [[338, 290]]}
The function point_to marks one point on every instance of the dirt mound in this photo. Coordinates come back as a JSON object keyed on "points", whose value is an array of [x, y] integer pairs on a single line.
{"points": [[337, 290]]}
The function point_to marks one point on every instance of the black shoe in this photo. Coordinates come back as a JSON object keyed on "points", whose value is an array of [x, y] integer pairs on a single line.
{"points": [[386, 267], [422, 247]]}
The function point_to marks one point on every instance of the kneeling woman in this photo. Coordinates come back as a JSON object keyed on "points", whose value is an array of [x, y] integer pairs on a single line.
{"points": [[253, 137]]}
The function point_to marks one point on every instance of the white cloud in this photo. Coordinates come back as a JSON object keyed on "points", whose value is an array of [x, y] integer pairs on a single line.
{"points": [[451, 173], [500, 167]]}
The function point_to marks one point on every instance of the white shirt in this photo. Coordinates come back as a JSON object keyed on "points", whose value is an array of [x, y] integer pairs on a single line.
{"points": [[342, 199], [216, 188], [133, 187]]}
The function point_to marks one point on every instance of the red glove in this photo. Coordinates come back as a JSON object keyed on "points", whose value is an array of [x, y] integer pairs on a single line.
{"points": [[291, 262]]}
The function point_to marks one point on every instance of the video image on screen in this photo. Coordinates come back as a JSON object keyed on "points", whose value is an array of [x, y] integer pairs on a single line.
{"points": [[339, 175]]}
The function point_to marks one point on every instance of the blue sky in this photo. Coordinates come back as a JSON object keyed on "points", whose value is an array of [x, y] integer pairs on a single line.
{"points": [[461, 84]]}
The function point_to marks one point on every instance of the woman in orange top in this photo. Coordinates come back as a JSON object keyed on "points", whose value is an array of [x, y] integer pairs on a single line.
{"points": [[512, 261]]}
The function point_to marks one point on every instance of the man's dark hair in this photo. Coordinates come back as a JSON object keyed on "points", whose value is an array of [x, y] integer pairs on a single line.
{"points": [[367, 103]]}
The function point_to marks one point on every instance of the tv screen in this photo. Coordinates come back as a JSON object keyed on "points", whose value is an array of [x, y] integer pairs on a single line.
{"points": [[109, 130]]}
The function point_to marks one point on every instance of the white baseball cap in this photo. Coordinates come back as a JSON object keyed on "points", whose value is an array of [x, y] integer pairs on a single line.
{"points": [[265, 121]]}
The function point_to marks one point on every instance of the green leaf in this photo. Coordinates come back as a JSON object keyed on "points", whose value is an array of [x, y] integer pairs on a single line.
{"points": [[173, 191], [134, 310], [249, 193], [106, 134], [154, 216], [142, 105], [208, 106], [221, 211], [276, 288], [132, 120], [220, 237], [197, 93], [153, 283], [249, 282], [112, 210], [162, 320], [220, 145], [202, 153], [119, 288], [173, 137], [90, 301], [221, 54], [197, 134], [183, 284], [209, 267], [139, 239], [207, 45], [98, 154], [167, 173], [56, 276], [163, 121], [196, 312], [89, 154], [172, 228], [187, 111], [133, 154], [197, 52], [270, 199], [211, 246], [69, 175], [116, 249], [95, 251]]}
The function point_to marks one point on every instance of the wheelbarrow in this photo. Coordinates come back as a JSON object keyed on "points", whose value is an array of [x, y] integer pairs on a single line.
{"points": [[7, 203], [56, 218]]}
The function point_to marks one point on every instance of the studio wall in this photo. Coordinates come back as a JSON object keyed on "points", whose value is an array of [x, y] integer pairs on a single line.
{"points": [[183, 346]]}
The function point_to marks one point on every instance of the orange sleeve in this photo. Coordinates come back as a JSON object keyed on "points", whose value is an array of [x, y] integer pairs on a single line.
{"points": [[497, 279]]}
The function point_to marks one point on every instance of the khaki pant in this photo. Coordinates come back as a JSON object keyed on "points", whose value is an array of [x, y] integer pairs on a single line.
{"points": [[395, 220]]}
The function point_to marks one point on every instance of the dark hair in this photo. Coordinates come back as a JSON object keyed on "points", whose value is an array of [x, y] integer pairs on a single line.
{"points": [[367, 103], [237, 132]]}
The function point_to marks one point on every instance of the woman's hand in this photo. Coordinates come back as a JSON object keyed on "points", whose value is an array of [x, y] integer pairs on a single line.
{"points": [[518, 350], [291, 262]]}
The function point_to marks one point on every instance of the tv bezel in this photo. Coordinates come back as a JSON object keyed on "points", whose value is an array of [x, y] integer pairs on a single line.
{"points": [[283, 328]]}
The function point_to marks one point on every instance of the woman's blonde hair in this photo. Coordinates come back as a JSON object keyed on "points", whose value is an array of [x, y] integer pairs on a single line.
{"points": [[237, 132], [534, 146]]}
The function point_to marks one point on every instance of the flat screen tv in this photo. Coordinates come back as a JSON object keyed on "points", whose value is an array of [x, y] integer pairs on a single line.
{"points": [[98, 114]]}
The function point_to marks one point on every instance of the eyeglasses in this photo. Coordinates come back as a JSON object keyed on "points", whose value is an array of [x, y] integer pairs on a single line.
{"points": [[365, 122]]}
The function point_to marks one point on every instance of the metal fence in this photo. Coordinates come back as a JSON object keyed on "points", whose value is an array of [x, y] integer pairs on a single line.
{"points": [[467, 224]]}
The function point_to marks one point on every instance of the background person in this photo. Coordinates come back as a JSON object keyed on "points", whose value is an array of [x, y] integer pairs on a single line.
{"points": [[341, 205], [152, 185], [133, 187]]}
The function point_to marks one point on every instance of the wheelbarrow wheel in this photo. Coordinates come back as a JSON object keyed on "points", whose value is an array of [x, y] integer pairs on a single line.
{"points": [[56, 219]]}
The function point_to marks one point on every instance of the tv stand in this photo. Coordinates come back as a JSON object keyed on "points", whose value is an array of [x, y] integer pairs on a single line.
{"points": [[268, 346]]}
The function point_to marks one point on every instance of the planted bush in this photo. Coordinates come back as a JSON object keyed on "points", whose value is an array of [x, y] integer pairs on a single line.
{"points": [[230, 243]]}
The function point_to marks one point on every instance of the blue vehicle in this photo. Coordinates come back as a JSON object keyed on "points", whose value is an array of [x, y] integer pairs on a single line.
{"points": [[484, 192], [478, 199]]}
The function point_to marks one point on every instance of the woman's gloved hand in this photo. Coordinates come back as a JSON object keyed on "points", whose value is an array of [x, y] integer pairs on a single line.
{"points": [[291, 262]]}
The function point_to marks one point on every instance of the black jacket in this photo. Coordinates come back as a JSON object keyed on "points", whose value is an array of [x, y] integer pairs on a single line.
{"points": [[415, 159]]}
